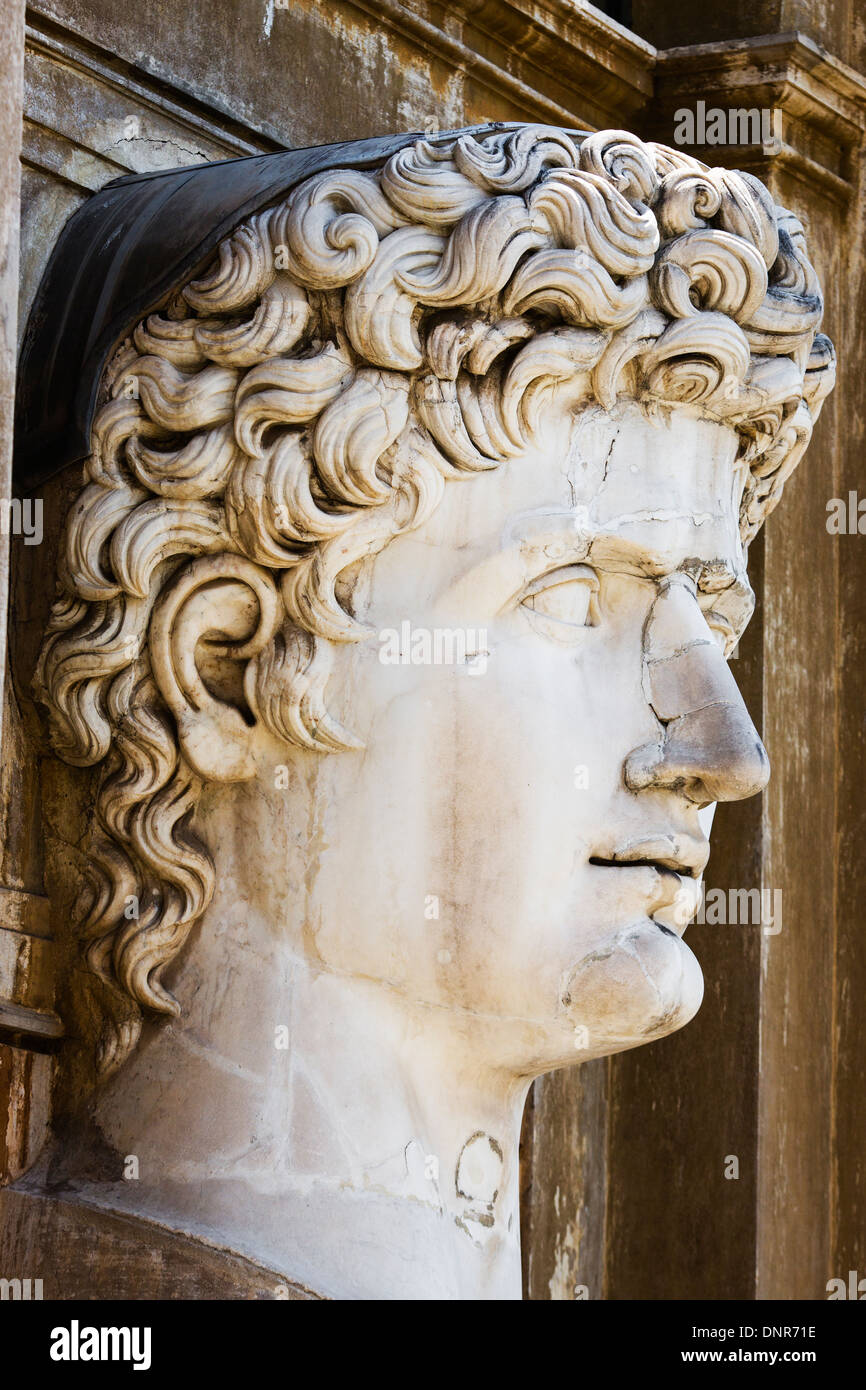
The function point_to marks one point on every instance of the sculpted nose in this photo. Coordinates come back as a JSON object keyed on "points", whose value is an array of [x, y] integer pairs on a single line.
{"points": [[708, 747]]}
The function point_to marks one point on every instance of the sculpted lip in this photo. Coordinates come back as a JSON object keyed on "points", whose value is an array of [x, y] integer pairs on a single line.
{"points": [[676, 863], [684, 854]]}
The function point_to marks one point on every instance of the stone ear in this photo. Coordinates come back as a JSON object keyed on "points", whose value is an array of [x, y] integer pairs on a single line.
{"points": [[228, 607]]}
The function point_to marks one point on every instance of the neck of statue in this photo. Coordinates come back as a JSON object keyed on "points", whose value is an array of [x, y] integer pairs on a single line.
{"points": [[323, 1126]]}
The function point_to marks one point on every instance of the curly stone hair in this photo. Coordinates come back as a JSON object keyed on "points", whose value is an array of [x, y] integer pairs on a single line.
{"points": [[304, 400]]}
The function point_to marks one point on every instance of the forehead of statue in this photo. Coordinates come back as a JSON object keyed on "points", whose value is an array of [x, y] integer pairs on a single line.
{"points": [[666, 485], [622, 490]]}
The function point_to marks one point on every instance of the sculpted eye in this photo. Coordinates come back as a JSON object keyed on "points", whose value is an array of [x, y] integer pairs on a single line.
{"points": [[564, 602]]}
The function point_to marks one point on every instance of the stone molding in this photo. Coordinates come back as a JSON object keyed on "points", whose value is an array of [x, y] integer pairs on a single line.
{"points": [[822, 101]]}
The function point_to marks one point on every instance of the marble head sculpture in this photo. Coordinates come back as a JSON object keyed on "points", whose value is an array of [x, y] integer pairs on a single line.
{"points": [[419, 516]]}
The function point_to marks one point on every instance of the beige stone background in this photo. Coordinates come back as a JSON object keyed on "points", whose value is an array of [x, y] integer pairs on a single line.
{"points": [[624, 1187]]}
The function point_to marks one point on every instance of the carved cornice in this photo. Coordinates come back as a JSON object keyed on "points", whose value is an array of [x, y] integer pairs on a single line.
{"points": [[555, 60], [822, 101], [558, 60], [88, 70]]}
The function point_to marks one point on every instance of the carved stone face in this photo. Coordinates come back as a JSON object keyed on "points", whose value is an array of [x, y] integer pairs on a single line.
{"points": [[463, 859], [514, 401]]}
